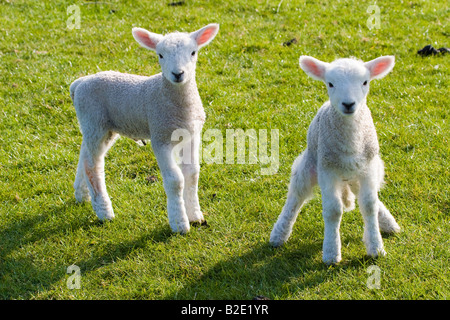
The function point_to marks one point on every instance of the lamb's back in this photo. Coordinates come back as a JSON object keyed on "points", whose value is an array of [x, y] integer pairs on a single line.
{"points": [[119, 101]]}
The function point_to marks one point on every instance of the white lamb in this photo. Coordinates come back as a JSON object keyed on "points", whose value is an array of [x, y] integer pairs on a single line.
{"points": [[341, 156], [112, 103]]}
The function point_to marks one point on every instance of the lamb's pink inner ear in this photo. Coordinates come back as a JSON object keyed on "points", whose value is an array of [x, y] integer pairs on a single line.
{"points": [[379, 68], [205, 36], [313, 68], [145, 39]]}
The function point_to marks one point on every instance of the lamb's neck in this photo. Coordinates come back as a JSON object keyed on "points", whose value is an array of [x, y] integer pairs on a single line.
{"points": [[354, 123], [355, 133], [185, 93]]}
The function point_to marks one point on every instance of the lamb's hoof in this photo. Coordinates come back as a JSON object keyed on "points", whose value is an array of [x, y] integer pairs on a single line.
{"points": [[386, 222], [276, 241], [276, 244], [201, 223], [331, 260], [108, 216], [103, 209], [196, 217], [181, 228], [375, 253], [390, 227]]}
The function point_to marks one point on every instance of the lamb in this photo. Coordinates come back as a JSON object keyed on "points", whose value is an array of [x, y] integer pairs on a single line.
{"points": [[109, 104], [342, 157]]}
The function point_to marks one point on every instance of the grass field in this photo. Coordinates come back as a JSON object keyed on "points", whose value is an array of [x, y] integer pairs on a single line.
{"points": [[247, 79]]}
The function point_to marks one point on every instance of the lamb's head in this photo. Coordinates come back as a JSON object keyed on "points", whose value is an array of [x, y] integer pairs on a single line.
{"points": [[347, 80], [177, 51]]}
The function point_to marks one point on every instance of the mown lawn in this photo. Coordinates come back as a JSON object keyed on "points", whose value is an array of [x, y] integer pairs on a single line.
{"points": [[249, 80]]}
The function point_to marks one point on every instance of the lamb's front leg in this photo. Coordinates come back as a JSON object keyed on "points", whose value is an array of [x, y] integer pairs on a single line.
{"points": [[370, 206], [332, 212], [190, 193], [190, 166], [173, 181]]}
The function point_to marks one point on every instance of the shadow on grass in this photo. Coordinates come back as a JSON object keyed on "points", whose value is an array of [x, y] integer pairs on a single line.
{"points": [[24, 274], [20, 276], [261, 271], [268, 272]]}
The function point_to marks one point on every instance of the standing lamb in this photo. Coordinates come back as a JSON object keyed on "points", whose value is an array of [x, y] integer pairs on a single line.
{"points": [[341, 156], [109, 104]]}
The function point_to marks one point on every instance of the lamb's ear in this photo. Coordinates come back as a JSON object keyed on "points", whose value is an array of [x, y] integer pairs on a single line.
{"points": [[380, 67], [313, 67], [205, 34], [146, 39]]}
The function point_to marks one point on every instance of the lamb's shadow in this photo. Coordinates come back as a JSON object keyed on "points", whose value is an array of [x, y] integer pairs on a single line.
{"points": [[268, 272], [21, 277], [110, 252], [261, 271]]}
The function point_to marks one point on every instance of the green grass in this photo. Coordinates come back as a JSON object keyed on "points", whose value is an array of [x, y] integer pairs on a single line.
{"points": [[249, 80]]}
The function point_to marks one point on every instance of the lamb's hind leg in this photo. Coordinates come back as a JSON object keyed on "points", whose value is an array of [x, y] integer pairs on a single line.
{"points": [[370, 206], [303, 179], [386, 221], [93, 163], [80, 185]]}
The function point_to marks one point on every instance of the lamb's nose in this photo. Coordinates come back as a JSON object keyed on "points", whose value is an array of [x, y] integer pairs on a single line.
{"points": [[178, 75], [348, 105]]}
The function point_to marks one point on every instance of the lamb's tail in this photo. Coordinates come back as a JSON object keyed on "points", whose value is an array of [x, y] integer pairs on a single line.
{"points": [[74, 86], [348, 198]]}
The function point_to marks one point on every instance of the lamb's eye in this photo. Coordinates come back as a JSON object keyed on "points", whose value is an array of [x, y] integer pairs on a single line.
{"points": [[365, 83], [161, 56], [330, 85], [193, 53]]}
